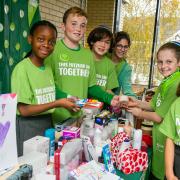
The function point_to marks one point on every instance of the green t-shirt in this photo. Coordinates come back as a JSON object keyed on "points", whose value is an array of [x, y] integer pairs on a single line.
{"points": [[74, 72], [124, 71], [170, 126], [33, 85], [160, 103], [106, 74]]}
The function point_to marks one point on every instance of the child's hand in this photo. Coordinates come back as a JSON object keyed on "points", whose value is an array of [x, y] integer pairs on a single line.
{"points": [[73, 98], [68, 104], [115, 102], [135, 111], [123, 100], [132, 102], [172, 177], [127, 101]]}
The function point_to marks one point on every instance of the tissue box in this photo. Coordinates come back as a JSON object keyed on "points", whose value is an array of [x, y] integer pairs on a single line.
{"points": [[38, 144], [73, 132]]}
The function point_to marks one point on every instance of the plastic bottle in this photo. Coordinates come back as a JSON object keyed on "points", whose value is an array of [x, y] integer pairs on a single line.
{"points": [[97, 137], [50, 133], [137, 138], [105, 133], [114, 124], [87, 128], [125, 145], [130, 118]]}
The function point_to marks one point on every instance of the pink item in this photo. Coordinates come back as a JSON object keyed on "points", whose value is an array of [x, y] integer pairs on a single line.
{"points": [[130, 160]]}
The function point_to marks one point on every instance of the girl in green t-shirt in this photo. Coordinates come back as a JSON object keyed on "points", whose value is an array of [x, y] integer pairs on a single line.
{"points": [[120, 46], [168, 63], [170, 127], [34, 85], [99, 41]]}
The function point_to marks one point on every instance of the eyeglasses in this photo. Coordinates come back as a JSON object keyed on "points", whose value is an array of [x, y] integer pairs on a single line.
{"points": [[120, 46]]}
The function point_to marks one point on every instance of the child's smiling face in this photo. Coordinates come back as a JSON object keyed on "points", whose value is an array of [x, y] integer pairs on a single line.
{"points": [[42, 42], [100, 48], [167, 62], [74, 28]]}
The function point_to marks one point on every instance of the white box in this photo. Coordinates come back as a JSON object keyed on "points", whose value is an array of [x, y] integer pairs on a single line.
{"points": [[36, 159], [45, 177], [38, 144]]}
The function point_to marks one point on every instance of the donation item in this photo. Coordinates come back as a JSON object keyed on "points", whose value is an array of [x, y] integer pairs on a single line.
{"points": [[92, 170], [107, 159], [50, 133], [38, 144]]}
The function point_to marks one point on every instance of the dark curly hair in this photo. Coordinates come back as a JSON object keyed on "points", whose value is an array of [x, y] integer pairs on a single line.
{"points": [[118, 37], [97, 34]]}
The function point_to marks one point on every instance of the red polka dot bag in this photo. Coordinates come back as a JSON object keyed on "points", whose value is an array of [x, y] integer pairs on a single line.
{"points": [[130, 160]]}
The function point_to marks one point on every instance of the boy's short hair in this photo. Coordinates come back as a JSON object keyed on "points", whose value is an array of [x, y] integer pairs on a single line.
{"points": [[75, 11]]}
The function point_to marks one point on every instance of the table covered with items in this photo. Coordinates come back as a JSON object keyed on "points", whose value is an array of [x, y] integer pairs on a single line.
{"points": [[102, 144]]}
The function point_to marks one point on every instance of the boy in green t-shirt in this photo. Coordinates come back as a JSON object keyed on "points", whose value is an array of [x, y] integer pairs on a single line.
{"points": [[99, 41], [170, 127], [168, 63], [73, 65]]}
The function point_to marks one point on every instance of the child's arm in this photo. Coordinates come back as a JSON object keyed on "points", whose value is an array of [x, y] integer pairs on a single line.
{"points": [[169, 160], [152, 116], [29, 110], [98, 93], [140, 104], [125, 81]]}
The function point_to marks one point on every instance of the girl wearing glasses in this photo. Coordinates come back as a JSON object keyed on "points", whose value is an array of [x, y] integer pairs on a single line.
{"points": [[119, 50]]}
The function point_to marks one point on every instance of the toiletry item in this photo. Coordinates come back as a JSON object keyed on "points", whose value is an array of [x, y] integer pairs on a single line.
{"points": [[130, 118], [124, 99], [87, 128], [137, 139], [120, 129], [114, 123], [97, 137], [50, 133], [107, 159], [125, 145], [38, 144], [70, 131]]}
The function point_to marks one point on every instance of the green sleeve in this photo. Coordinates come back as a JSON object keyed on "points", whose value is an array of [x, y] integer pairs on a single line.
{"points": [[97, 93], [124, 79], [21, 86], [60, 94]]}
